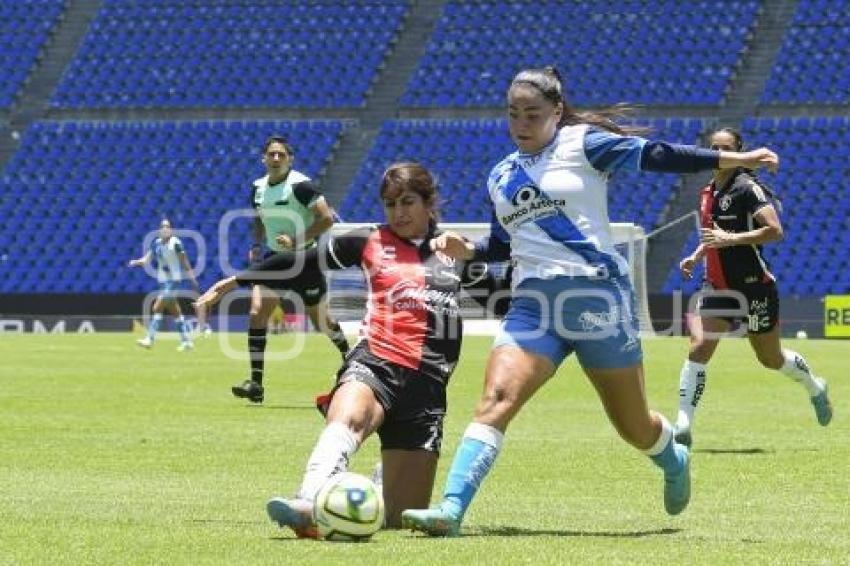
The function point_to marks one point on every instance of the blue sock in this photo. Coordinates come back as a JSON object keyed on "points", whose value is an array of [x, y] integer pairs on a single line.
{"points": [[154, 326], [472, 462], [663, 453], [183, 328]]}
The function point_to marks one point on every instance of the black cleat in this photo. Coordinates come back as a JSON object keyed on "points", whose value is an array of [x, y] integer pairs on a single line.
{"points": [[250, 390]]}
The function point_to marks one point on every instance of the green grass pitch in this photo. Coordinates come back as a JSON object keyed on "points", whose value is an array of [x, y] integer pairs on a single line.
{"points": [[110, 454]]}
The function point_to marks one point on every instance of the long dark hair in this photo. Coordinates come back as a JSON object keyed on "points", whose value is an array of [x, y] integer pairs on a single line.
{"points": [[550, 84]]}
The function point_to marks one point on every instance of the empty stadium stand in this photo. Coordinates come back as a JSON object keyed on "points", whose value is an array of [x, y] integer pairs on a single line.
{"points": [[663, 52], [230, 54], [78, 198], [24, 27]]}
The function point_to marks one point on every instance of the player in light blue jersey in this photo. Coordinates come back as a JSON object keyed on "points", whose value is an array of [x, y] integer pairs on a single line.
{"points": [[571, 291], [172, 268]]}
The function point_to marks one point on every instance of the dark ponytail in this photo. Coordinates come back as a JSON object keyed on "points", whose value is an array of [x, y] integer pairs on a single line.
{"points": [[550, 84]]}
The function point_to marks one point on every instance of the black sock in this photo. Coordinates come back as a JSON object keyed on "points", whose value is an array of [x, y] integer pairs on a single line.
{"points": [[257, 352], [337, 336]]}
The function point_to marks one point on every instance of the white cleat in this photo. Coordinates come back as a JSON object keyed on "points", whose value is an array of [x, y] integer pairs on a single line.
{"points": [[145, 342], [185, 347]]}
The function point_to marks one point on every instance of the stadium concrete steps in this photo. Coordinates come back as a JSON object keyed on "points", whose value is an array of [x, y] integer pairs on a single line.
{"points": [[345, 161], [56, 55], [666, 247], [749, 82], [382, 100]]}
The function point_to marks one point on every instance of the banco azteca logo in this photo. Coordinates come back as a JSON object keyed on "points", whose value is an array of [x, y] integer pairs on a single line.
{"points": [[525, 194]]}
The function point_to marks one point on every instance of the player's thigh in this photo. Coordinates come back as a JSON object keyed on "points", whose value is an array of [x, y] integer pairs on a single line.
{"points": [[318, 314], [355, 405], [158, 304], [768, 347], [263, 301], [512, 377], [408, 477], [706, 332], [623, 394]]}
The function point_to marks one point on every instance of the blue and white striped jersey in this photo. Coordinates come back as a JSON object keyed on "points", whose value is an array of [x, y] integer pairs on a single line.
{"points": [[552, 206], [167, 257]]}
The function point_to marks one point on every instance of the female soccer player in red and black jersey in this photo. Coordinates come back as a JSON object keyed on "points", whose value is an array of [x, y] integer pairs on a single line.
{"points": [[394, 381], [738, 215]]}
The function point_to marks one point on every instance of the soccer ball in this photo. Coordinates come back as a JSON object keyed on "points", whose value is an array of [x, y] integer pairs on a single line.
{"points": [[349, 507]]}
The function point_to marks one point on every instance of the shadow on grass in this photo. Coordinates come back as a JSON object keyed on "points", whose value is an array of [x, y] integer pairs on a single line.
{"points": [[735, 451], [520, 532], [283, 407]]}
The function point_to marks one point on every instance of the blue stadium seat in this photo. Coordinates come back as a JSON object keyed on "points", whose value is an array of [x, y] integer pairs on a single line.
{"points": [[230, 53], [813, 65], [599, 47], [25, 26], [203, 169]]}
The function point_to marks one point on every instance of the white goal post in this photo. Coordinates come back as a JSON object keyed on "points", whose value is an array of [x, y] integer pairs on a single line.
{"points": [[347, 288]]}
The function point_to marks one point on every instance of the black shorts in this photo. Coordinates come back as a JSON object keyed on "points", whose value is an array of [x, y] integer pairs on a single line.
{"points": [[760, 314], [414, 404], [310, 285]]}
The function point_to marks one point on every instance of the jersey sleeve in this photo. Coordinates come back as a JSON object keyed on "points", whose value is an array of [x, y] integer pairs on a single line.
{"points": [[755, 197], [609, 152], [252, 201], [496, 246], [346, 250], [178, 246], [307, 193]]}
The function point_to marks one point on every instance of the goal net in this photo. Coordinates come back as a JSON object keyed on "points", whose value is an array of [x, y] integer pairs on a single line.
{"points": [[348, 287]]}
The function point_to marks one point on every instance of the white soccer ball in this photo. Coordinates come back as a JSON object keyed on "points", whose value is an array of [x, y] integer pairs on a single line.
{"points": [[802, 335], [349, 507]]}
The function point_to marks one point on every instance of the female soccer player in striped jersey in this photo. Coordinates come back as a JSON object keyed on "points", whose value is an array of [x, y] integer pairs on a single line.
{"points": [[172, 268], [571, 288], [738, 216]]}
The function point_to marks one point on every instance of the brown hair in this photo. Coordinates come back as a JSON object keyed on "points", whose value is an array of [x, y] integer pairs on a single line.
{"points": [[411, 176], [550, 84]]}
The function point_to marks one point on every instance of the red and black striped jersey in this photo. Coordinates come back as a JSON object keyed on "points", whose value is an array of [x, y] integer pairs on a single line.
{"points": [[733, 208], [413, 316]]}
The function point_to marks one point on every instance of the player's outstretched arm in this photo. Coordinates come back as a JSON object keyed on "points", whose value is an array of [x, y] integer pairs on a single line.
{"points": [[215, 293], [687, 264], [139, 261], [761, 157]]}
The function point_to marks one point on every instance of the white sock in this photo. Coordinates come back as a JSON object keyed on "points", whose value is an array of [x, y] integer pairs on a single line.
{"points": [[663, 438], [330, 456], [691, 387], [796, 368]]}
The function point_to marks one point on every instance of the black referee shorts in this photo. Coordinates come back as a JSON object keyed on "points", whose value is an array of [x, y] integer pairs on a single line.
{"points": [[309, 284], [760, 313], [414, 404]]}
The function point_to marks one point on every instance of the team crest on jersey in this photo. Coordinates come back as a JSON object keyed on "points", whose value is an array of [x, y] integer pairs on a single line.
{"points": [[525, 194], [725, 202], [388, 256]]}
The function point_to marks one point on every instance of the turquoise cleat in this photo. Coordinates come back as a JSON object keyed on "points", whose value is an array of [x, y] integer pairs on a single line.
{"points": [[435, 522], [677, 486], [297, 514], [823, 408]]}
